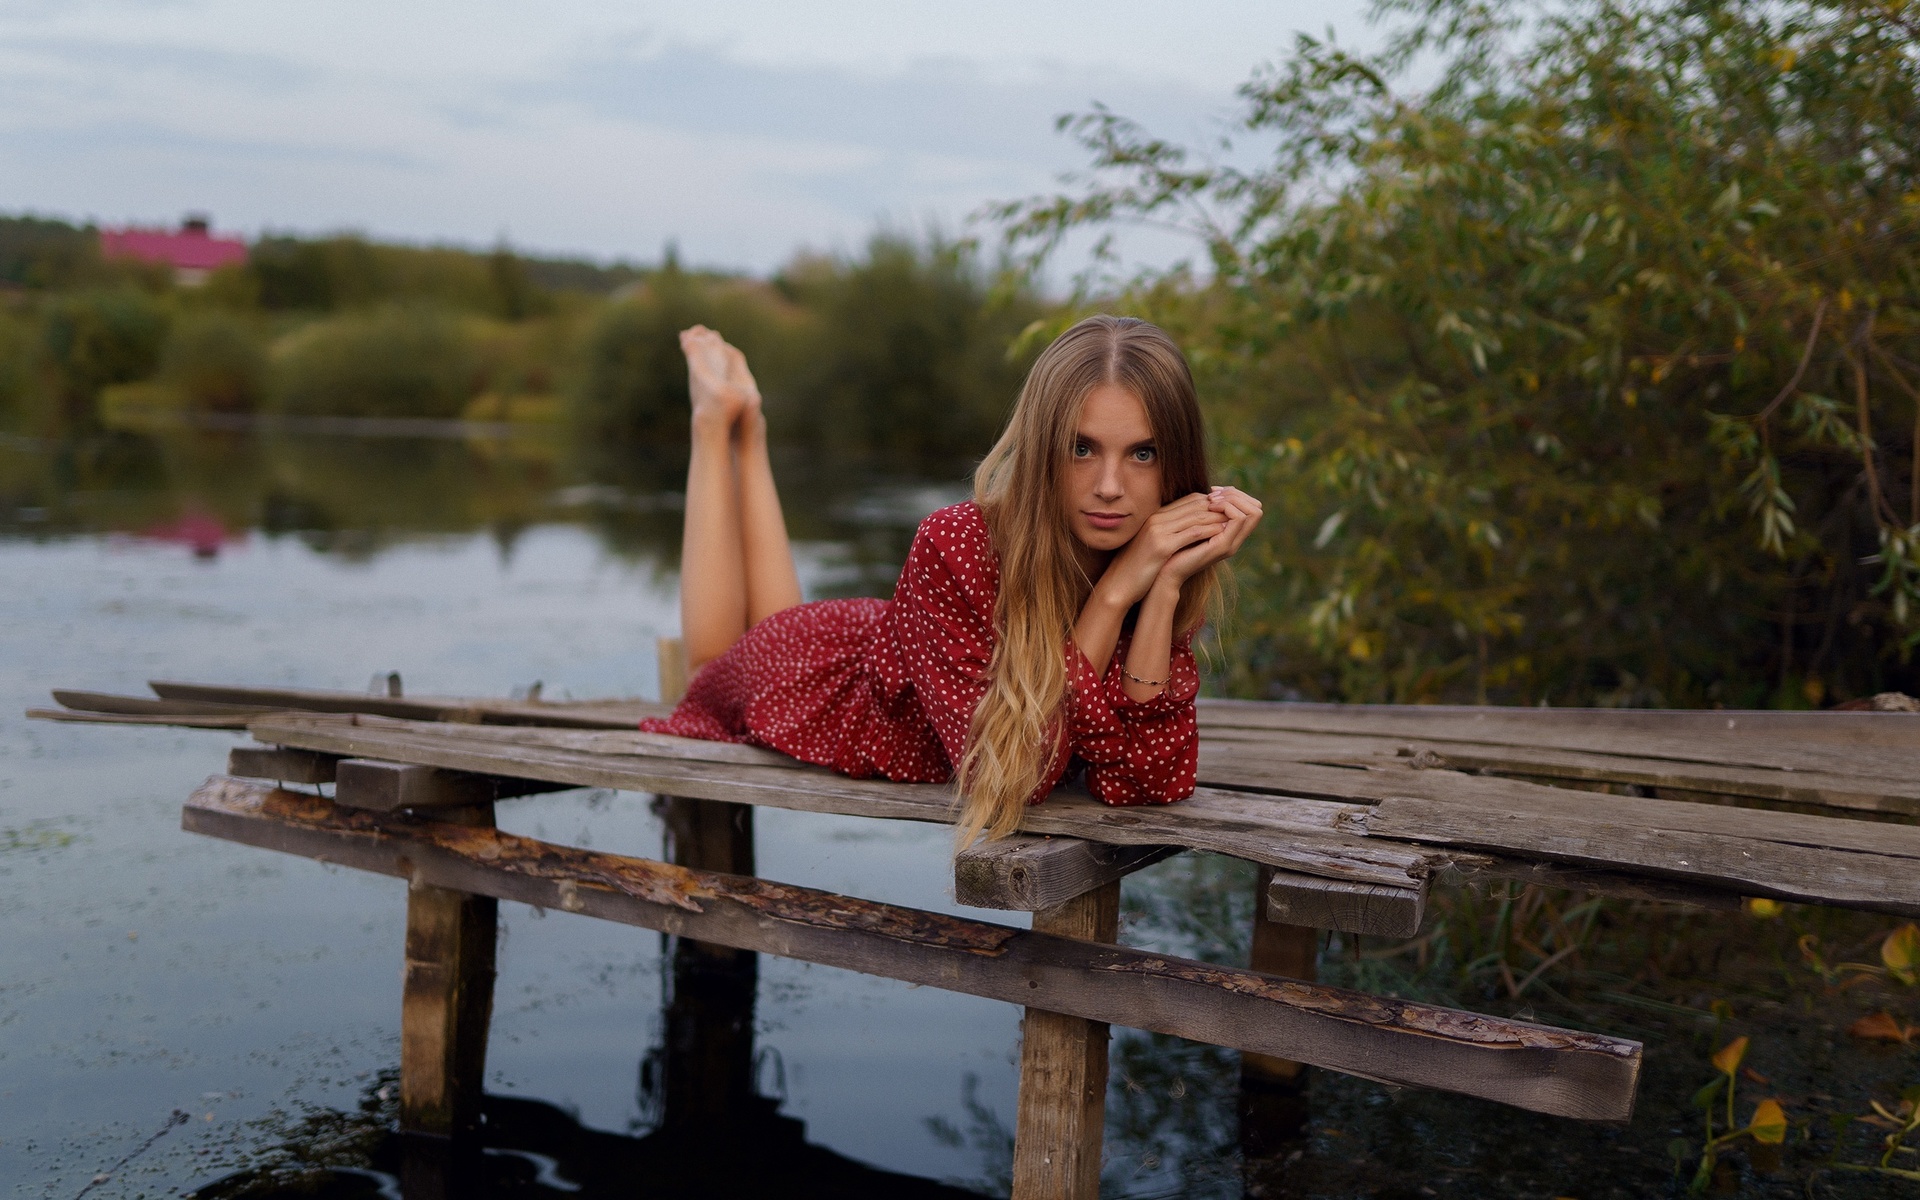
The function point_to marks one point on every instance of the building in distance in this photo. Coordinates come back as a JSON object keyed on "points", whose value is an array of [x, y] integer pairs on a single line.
{"points": [[193, 252]]}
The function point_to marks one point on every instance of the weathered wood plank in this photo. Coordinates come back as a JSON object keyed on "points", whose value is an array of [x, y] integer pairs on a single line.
{"points": [[1882, 745], [1239, 757], [1028, 872], [181, 720], [1755, 867], [1557, 1071], [1304, 900], [1273, 1090], [1300, 835], [286, 766], [446, 1001], [610, 714], [104, 702], [1061, 1114], [390, 787]]}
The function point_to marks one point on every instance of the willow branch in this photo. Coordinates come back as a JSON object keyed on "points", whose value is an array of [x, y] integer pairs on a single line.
{"points": [[1913, 393], [1806, 357]]}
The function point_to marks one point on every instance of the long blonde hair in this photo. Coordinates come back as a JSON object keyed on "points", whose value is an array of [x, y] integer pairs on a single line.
{"points": [[1017, 728]]}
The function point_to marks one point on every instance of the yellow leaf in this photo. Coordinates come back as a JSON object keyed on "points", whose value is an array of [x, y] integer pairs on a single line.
{"points": [[1760, 906], [1727, 1060], [1769, 1123], [1901, 951], [1360, 648], [1881, 1027]]}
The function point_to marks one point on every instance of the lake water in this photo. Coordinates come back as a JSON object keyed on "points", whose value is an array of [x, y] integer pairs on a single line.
{"points": [[146, 972]]}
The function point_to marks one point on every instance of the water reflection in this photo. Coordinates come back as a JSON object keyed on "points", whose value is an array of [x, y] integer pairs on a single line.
{"points": [[352, 494]]}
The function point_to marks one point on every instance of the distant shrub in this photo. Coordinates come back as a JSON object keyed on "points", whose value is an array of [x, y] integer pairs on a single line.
{"points": [[908, 352], [215, 362], [391, 362], [94, 339], [631, 381]]}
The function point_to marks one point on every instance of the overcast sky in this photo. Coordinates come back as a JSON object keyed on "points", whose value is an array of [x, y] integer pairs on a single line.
{"points": [[742, 130]]}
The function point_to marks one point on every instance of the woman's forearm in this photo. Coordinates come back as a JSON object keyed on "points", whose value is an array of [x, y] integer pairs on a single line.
{"points": [[1150, 655]]}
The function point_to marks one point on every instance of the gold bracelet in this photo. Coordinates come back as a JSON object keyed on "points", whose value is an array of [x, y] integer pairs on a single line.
{"points": [[1140, 681]]}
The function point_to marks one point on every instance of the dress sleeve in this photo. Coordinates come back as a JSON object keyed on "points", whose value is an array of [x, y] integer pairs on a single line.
{"points": [[1136, 752], [945, 639]]}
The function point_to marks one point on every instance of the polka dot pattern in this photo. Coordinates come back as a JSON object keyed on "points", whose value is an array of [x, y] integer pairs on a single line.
{"points": [[879, 688]]}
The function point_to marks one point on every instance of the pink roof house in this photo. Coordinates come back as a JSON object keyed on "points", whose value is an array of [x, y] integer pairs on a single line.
{"points": [[193, 252]]}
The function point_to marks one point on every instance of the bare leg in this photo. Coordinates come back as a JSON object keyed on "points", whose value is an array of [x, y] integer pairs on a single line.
{"points": [[736, 564], [713, 584], [772, 581]]}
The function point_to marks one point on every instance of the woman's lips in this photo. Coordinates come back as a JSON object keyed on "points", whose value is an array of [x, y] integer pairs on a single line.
{"points": [[1104, 520]]}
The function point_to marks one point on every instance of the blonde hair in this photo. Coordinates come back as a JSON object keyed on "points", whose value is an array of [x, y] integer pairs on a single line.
{"points": [[1017, 727]]}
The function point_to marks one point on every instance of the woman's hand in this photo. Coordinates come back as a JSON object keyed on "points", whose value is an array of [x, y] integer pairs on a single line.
{"points": [[1167, 534], [1241, 513]]}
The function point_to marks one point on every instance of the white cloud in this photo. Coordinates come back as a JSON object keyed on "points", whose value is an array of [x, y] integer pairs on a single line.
{"points": [[742, 130]]}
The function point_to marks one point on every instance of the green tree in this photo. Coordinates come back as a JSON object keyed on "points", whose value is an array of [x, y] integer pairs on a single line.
{"points": [[216, 362], [1587, 374], [97, 338], [907, 351]]}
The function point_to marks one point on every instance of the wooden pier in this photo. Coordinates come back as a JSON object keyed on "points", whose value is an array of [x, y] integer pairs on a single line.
{"points": [[1352, 813]]}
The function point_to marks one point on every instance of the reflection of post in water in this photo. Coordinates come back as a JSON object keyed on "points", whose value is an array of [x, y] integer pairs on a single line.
{"points": [[1273, 1091], [702, 1080], [704, 1085]]}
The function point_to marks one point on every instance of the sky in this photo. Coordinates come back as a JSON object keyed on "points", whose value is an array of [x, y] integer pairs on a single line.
{"points": [[740, 131]]}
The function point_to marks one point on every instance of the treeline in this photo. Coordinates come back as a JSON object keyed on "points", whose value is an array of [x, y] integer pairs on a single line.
{"points": [[1588, 375], [897, 350]]}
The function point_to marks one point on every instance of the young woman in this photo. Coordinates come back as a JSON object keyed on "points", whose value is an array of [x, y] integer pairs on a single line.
{"points": [[1045, 624]]}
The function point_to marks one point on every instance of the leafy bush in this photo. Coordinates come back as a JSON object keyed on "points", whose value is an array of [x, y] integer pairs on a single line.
{"points": [[215, 362], [906, 353], [1588, 375], [631, 383], [94, 339], [390, 362]]}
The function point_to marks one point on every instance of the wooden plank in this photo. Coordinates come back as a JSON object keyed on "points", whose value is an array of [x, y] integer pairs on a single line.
{"points": [[286, 766], [446, 1001], [1301, 835], [183, 720], [1061, 1113], [612, 714], [1028, 872], [390, 787], [1883, 748], [1751, 866], [1273, 1090], [1304, 900], [1830, 727], [104, 702], [1243, 756], [1557, 1071]]}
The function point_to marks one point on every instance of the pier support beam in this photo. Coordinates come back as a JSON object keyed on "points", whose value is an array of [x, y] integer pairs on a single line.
{"points": [[447, 1000], [1273, 1091], [1063, 1073]]}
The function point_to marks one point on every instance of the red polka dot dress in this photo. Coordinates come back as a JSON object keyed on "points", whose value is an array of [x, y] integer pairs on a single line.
{"points": [[888, 687]]}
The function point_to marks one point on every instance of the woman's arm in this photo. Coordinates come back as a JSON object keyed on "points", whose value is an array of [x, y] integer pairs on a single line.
{"points": [[1179, 541]]}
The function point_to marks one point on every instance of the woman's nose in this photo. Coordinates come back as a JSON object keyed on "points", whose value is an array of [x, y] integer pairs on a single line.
{"points": [[1107, 485]]}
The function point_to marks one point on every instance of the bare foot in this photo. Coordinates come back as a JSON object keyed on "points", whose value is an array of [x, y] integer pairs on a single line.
{"points": [[714, 379]]}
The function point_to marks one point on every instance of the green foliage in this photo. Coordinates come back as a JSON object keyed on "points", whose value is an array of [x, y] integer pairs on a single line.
{"points": [[323, 275], [39, 253], [1587, 376], [94, 339], [631, 384], [410, 361], [215, 362], [907, 354]]}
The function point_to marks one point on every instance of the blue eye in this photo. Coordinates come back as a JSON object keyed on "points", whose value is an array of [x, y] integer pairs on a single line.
{"points": [[1082, 450], [1145, 454]]}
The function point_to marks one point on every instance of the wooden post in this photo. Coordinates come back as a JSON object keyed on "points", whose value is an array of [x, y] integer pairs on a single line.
{"points": [[1273, 1091], [1063, 1073], [447, 1000]]}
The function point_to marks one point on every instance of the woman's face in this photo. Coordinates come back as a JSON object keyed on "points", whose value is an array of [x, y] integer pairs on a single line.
{"points": [[1112, 482]]}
